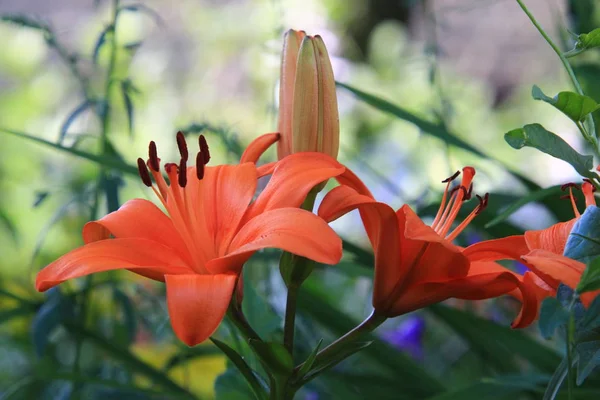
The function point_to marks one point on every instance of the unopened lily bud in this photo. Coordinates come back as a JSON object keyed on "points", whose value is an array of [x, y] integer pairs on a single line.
{"points": [[308, 114]]}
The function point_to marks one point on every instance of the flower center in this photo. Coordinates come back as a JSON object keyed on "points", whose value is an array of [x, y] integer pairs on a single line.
{"points": [[177, 195], [451, 204]]}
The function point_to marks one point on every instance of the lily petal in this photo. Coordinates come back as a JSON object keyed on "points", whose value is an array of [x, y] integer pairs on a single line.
{"points": [[552, 239], [146, 257], [291, 229], [292, 179], [427, 257], [554, 268], [508, 248], [258, 146], [137, 218], [227, 191], [531, 292], [197, 304], [381, 224], [349, 178]]}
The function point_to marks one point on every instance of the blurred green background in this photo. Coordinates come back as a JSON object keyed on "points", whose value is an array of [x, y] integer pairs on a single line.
{"points": [[213, 67]]}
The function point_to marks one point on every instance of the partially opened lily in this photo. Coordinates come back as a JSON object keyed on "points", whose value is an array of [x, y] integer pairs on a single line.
{"points": [[308, 110], [415, 264], [542, 252], [211, 228]]}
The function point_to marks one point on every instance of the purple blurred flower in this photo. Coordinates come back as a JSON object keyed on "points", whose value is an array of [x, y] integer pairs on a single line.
{"points": [[520, 268], [408, 336]]}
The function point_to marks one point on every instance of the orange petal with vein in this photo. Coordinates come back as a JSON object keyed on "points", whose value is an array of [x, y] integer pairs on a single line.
{"points": [[137, 218], [290, 229], [552, 239], [292, 179], [197, 304], [510, 247], [141, 255]]}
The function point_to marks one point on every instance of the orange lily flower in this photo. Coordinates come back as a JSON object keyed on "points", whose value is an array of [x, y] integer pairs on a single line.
{"points": [[211, 229], [415, 264], [542, 252]]}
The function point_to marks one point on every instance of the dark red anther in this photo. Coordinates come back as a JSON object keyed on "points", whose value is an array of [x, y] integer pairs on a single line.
{"points": [[469, 194], [453, 177], [569, 185], [483, 202], [565, 197], [143, 171], [153, 157], [182, 145], [204, 149], [200, 166], [182, 178]]}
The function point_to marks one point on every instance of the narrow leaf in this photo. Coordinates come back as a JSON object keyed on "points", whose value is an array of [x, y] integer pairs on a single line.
{"points": [[590, 279], [128, 106], [100, 42], [190, 353], [341, 355], [534, 135], [573, 105], [71, 118], [589, 358], [24, 20], [307, 365], [243, 367], [144, 9], [107, 161], [522, 201]]}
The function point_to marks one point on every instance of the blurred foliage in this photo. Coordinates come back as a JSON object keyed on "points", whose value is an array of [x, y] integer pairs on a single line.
{"points": [[81, 100]]}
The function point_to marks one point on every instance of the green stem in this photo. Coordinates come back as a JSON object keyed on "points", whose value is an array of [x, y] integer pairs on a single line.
{"points": [[105, 122], [365, 327], [565, 62], [569, 340], [290, 317], [240, 322]]}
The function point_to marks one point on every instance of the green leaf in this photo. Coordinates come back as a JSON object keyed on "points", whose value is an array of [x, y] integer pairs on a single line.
{"points": [[129, 316], [307, 365], [591, 318], [552, 315], [128, 360], [429, 127], [243, 367], [433, 129], [125, 89], [493, 388], [573, 105], [330, 362], [230, 385], [144, 9], [51, 314], [556, 380], [258, 311], [589, 40], [20, 311], [583, 243], [24, 20], [590, 279], [534, 135], [416, 382], [495, 342], [107, 161], [71, 118], [522, 201], [589, 358], [274, 355]]}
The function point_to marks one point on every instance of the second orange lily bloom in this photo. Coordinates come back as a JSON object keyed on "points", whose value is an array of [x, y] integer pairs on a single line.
{"points": [[417, 265]]}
